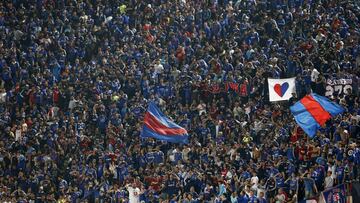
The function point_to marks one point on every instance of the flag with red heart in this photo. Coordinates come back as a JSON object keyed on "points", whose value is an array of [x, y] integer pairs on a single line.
{"points": [[281, 89]]}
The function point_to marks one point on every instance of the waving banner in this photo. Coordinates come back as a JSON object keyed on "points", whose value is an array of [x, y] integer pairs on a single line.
{"points": [[159, 126], [312, 112]]}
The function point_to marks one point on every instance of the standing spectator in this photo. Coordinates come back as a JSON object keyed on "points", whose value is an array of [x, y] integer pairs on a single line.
{"points": [[281, 197], [134, 193], [310, 186], [329, 180]]}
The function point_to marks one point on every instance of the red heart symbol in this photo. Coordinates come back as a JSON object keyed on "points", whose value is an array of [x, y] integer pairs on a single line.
{"points": [[277, 89]]}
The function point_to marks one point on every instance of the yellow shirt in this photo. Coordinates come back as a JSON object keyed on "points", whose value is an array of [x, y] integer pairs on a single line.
{"points": [[122, 9], [247, 139], [62, 200]]}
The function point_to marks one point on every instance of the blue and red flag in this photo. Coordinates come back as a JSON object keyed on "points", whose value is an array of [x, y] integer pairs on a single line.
{"points": [[157, 125], [312, 111]]}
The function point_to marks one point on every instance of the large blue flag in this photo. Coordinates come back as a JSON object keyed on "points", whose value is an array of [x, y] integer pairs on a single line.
{"points": [[159, 126], [312, 111]]}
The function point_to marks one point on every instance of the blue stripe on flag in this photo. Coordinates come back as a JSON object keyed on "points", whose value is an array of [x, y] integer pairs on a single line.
{"points": [[146, 132], [304, 119]]}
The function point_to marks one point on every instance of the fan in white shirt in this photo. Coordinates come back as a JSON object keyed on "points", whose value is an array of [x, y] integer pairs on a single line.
{"points": [[314, 75], [254, 182], [2, 96], [329, 180], [158, 67], [134, 193]]}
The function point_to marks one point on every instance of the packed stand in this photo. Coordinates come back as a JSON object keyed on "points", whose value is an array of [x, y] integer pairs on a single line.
{"points": [[76, 78]]}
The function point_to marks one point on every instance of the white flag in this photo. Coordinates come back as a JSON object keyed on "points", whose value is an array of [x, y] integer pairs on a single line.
{"points": [[281, 89]]}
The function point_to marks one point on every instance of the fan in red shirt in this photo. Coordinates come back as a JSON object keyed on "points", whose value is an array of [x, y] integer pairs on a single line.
{"points": [[32, 96], [154, 182], [296, 135], [214, 112], [56, 95], [300, 151], [180, 53]]}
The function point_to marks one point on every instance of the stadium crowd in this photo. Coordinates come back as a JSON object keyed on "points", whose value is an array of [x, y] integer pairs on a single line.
{"points": [[76, 78]]}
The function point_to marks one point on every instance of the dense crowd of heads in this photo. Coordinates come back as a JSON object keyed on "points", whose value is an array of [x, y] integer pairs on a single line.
{"points": [[76, 78]]}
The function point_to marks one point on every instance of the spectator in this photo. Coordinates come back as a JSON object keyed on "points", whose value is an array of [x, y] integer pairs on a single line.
{"points": [[281, 196], [261, 198], [134, 193], [329, 181], [310, 186]]}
